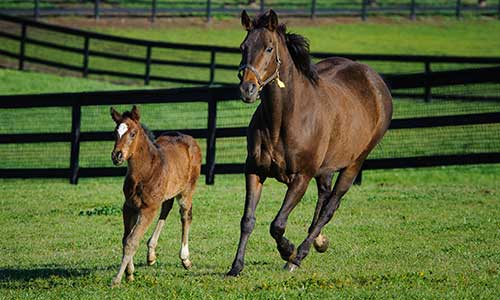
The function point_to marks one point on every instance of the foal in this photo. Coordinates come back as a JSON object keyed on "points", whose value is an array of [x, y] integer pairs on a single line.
{"points": [[158, 171]]}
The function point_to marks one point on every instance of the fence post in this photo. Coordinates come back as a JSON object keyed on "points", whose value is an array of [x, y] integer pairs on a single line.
{"points": [[363, 9], [413, 10], [86, 57], [36, 9], [211, 138], [262, 6], [313, 9], [209, 11], [148, 65], [76, 116], [153, 11], [212, 67], [428, 93], [359, 177], [96, 9], [458, 8], [22, 46], [499, 9]]}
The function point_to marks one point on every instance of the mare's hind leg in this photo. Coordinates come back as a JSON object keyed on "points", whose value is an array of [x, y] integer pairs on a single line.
{"points": [[153, 241], [324, 184], [294, 194], [185, 203], [342, 185], [131, 242]]}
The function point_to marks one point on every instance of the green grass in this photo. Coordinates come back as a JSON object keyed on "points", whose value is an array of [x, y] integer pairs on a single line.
{"points": [[403, 234]]}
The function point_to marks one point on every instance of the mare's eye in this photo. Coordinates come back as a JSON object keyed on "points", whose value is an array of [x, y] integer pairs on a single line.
{"points": [[269, 49]]}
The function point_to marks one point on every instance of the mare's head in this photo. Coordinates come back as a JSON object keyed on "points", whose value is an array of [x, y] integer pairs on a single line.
{"points": [[261, 58], [126, 133]]}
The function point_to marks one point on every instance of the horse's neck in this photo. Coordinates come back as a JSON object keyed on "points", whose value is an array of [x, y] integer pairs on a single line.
{"points": [[141, 165], [279, 103]]}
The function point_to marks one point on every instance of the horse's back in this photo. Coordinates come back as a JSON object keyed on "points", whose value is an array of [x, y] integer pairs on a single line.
{"points": [[181, 149], [362, 85]]}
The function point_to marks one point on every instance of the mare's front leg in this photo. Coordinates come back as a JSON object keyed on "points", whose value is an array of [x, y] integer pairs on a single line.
{"points": [[296, 189], [342, 185], [153, 241], [253, 190], [144, 219]]}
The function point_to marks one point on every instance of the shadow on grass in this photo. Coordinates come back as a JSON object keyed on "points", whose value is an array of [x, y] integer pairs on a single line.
{"points": [[10, 275]]}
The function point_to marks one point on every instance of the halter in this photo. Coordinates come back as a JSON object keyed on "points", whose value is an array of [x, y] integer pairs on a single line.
{"points": [[275, 75]]}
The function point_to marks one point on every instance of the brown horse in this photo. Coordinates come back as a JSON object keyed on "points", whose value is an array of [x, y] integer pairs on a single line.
{"points": [[158, 171], [313, 120]]}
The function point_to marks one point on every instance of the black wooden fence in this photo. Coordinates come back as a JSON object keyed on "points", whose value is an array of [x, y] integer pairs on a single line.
{"points": [[212, 96], [212, 67], [306, 8]]}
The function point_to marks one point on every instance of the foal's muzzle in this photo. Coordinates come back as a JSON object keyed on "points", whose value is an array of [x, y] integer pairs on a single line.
{"points": [[117, 158]]}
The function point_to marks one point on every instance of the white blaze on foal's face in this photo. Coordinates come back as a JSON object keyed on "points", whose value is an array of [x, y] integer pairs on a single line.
{"points": [[122, 129]]}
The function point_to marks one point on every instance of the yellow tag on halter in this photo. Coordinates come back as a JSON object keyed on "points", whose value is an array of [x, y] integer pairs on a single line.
{"points": [[280, 83]]}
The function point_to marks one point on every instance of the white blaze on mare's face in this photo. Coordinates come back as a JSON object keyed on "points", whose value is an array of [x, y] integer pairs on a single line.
{"points": [[122, 129]]}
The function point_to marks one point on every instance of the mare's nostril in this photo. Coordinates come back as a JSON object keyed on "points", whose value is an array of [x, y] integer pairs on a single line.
{"points": [[251, 88]]}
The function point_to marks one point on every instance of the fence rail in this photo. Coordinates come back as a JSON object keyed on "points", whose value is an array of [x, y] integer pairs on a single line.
{"points": [[212, 96], [307, 8], [149, 62]]}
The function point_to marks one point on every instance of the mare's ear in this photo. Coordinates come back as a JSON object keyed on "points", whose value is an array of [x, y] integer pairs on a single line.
{"points": [[116, 116], [135, 113], [246, 21], [272, 20]]}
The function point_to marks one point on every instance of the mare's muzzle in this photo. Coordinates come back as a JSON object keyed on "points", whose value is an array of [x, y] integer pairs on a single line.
{"points": [[249, 91]]}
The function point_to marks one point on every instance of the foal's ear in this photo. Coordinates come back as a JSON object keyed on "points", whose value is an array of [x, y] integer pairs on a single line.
{"points": [[246, 21], [135, 113], [272, 20], [116, 116]]}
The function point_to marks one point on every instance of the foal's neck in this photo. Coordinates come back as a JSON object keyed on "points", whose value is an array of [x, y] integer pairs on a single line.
{"points": [[142, 163]]}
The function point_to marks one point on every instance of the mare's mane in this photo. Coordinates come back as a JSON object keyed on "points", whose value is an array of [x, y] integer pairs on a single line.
{"points": [[297, 45]]}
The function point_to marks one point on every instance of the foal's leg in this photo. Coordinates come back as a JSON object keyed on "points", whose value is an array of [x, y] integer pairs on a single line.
{"points": [[294, 194], [253, 191], [342, 185], [129, 221], [185, 203], [153, 241], [324, 184], [131, 243]]}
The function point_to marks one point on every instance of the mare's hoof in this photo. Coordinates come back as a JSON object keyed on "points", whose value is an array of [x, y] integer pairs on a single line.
{"points": [[321, 243], [233, 273], [187, 264], [290, 267]]}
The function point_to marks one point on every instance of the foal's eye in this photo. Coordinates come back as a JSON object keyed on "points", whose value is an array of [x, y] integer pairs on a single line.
{"points": [[269, 49], [132, 134]]}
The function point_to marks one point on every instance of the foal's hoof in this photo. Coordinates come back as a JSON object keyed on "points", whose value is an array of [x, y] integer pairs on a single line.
{"points": [[187, 264], [290, 267], [115, 283], [130, 277], [151, 261], [321, 243]]}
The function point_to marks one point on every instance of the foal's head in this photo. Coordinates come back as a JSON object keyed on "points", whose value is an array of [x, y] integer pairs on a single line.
{"points": [[263, 53], [126, 132]]}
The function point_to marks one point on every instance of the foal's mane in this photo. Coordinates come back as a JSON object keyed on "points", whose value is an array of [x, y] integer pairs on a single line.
{"points": [[298, 47]]}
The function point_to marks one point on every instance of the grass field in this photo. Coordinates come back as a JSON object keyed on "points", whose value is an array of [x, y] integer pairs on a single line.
{"points": [[403, 234]]}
